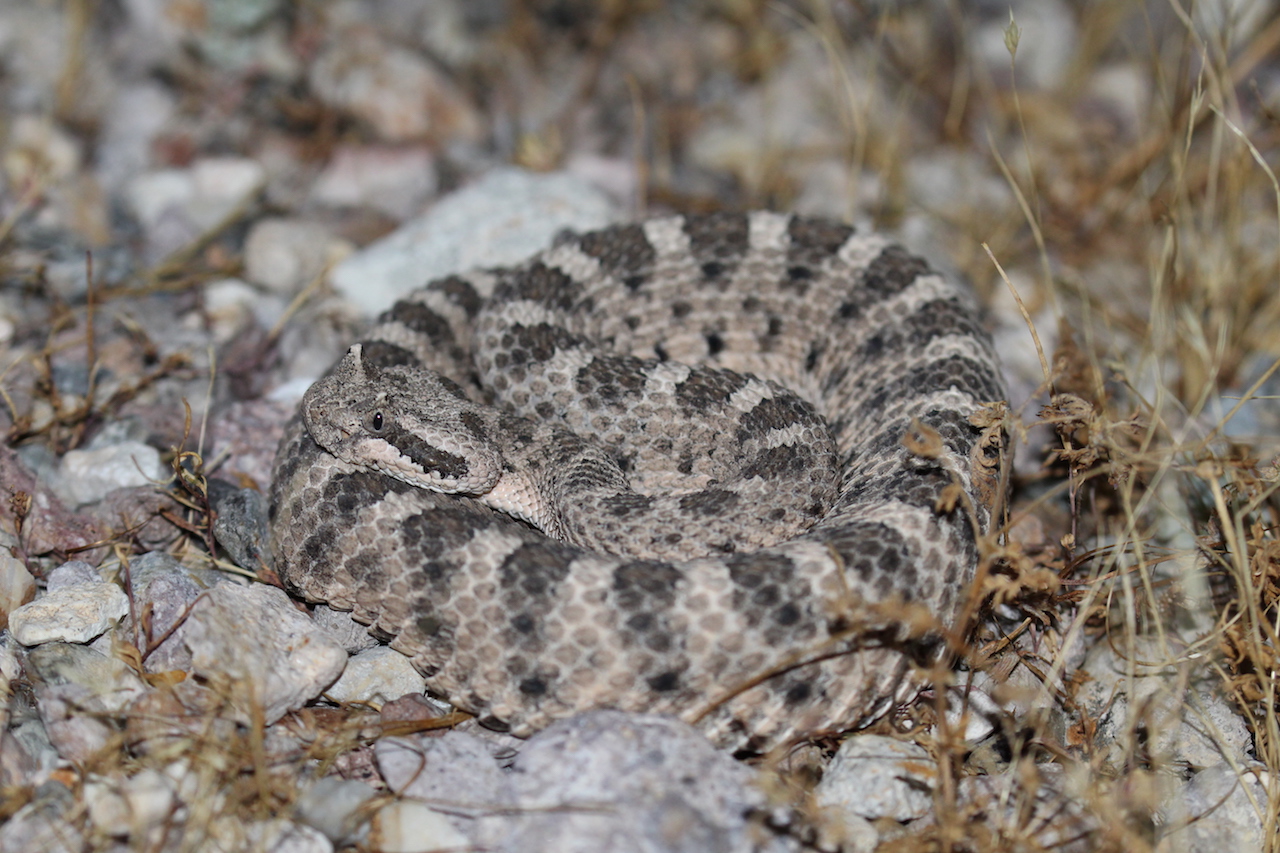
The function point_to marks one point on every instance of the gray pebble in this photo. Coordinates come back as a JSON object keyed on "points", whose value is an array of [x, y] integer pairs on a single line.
{"points": [[333, 806], [376, 676], [86, 476], [252, 643], [72, 614], [501, 218]]}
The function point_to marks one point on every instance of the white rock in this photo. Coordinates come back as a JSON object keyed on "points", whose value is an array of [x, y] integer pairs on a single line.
{"points": [[153, 195], [253, 644], [332, 806], [391, 88], [72, 614], [1174, 703], [410, 826], [174, 206], [38, 150], [230, 303], [377, 676], [133, 805], [17, 586], [269, 836], [70, 573], [874, 776], [223, 184], [339, 624], [87, 476], [1216, 810], [135, 118], [284, 255], [504, 217], [395, 181]]}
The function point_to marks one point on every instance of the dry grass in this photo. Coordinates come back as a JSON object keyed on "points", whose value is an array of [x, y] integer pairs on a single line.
{"points": [[1147, 261]]}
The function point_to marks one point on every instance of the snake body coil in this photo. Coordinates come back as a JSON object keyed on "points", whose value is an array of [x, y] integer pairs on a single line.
{"points": [[713, 466]]}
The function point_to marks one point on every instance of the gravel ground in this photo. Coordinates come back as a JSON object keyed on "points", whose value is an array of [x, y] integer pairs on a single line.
{"points": [[202, 202]]}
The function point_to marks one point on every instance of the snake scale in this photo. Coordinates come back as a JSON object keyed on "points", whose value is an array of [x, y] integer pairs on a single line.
{"points": [[717, 466]]}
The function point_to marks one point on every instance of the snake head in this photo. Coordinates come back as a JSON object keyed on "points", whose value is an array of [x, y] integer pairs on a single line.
{"points": [[405, 421]]}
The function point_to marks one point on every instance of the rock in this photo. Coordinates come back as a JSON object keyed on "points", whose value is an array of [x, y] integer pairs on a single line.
{"points": [[343, 629], [175, 206], [874, 776], [1172, 705], [376, 676], [71, 573], [17, 586], [137, 115], [450, 766], [396, 181], [284, 255], [87, 476], [269, 836], [80, 694], [167, 588], [1216, 810], [409, 826], [241, 525], [255, 647], [502, 218], [394, 90], [110, 682], [43, 824], [333, 806], [130, 806], [71, 614], [232, 305], [608, 780]]}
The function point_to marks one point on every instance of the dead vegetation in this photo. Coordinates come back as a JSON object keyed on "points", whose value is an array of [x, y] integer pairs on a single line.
{"points": [[1144, 258]]}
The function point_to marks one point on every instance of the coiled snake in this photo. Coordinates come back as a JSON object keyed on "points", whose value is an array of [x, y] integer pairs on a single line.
{"points": [[699, 465]]}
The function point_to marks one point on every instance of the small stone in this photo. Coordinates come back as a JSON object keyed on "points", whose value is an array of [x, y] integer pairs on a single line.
{"points": [[87, 476], [451, 765], [284, 255], [241, 524], [413, 707], [17, 586], [502, 218], [43, 825], [1170, 701], [268, 836], [253, 645], [396, 181], [136, 116], [231, 305], [129, 806], [175, 206], [80, 693], [1217, 809], [333, 806], [410, 826], [585, 782], [394, 90], [70, 573], [874, 776], [376, 676], [110, 682], [343, 629], [71, 614], [167, 588]]}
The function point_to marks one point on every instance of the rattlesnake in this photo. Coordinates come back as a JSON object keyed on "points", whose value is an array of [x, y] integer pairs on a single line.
{"points": [[636, 341]]}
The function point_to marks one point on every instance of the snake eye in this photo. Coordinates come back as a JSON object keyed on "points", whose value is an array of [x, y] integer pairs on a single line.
{"points": [[376, 422]]}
